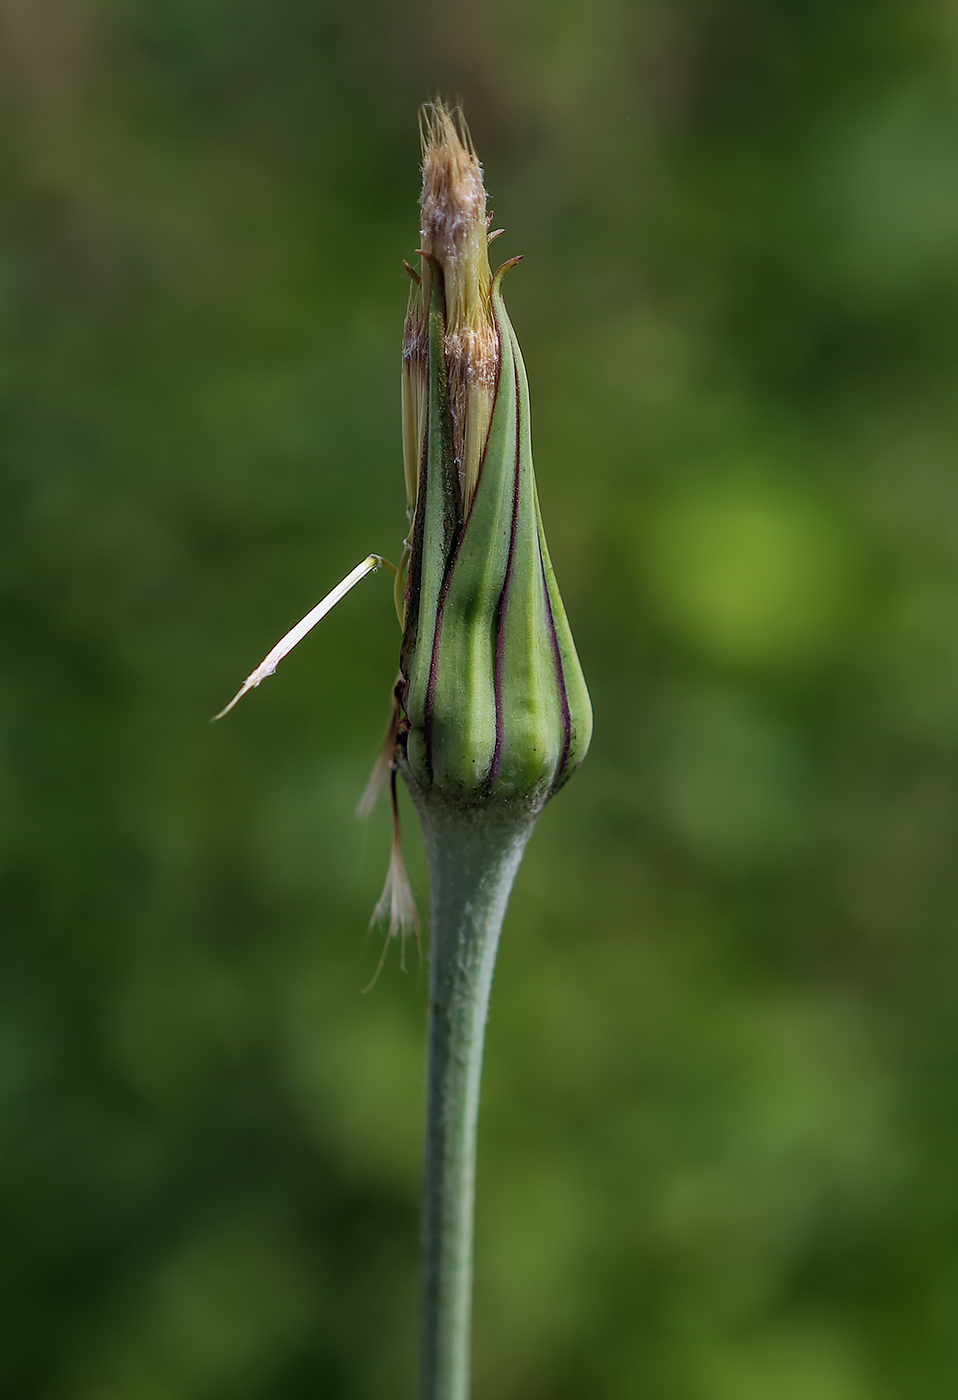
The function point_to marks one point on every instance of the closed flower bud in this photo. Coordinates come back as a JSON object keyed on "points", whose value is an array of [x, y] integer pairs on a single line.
{"points": [[493, 700], [490, 705]]}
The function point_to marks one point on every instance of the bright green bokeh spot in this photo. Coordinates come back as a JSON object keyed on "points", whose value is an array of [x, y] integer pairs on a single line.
{"points": [[751, 575]]}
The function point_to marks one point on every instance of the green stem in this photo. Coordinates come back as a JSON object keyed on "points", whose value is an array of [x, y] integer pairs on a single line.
{"points": [[473, 858]]}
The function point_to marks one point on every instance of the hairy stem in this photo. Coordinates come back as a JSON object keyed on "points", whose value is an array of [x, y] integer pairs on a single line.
{"points": [[473, 858]]}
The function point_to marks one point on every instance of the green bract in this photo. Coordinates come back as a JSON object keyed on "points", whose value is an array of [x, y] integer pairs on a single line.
{"points": [[494, 700]]}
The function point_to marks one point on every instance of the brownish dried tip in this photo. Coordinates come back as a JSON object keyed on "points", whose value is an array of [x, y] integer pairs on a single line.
{"points": [[455, 237]]}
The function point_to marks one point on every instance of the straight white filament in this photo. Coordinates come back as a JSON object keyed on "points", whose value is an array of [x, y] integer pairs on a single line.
{"points": [[296, 634]]}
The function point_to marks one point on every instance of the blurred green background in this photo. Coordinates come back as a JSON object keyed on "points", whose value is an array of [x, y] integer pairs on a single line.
{"points": [[719, 1147]]}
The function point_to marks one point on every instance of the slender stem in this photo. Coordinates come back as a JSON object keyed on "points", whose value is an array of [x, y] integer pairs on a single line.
{"points": [[473, 859]]}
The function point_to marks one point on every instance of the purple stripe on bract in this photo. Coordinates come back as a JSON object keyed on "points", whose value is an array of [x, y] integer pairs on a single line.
{"points": [[434, 659], [560, 674], [447, 580], [495, 399], [504, 599]]}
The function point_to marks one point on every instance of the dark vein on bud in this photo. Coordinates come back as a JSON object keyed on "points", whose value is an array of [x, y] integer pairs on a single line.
{"points": [[560, 676], [504, 596]]}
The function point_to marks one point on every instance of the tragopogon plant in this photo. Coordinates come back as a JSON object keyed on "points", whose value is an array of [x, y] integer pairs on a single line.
{"points": [[490, 711]]}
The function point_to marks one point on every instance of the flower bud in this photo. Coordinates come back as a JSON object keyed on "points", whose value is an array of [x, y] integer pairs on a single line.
{"points": [[493, 698]]}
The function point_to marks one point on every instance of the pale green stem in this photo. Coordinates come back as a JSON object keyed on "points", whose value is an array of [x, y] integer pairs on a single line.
{"points": [[473, 858]]}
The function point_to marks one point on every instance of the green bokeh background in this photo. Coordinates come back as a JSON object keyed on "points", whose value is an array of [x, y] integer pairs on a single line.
{"points": [[719, 1147]]}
